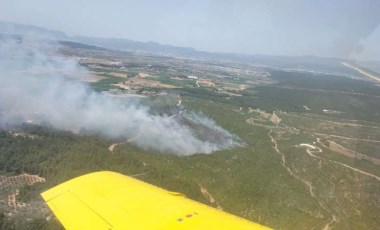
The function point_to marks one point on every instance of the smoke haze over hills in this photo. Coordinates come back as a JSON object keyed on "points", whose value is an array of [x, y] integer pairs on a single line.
{"points": [[34, 88]]}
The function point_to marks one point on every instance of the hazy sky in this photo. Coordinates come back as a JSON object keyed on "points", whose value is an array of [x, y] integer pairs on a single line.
{"points": [[283, 27]]}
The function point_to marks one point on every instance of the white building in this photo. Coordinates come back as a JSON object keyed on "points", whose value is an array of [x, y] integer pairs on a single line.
{"points": [[192, 77]]}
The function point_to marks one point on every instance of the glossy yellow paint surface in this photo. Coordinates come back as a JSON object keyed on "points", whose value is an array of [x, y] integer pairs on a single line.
{"points": [[109, 200]]}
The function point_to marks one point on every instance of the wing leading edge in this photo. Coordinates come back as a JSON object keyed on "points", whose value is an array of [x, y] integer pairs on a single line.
{"points": [[109, 200]]}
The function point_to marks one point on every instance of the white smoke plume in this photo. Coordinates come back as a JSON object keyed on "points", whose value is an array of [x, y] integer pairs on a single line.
{"points": [[34, 86]]}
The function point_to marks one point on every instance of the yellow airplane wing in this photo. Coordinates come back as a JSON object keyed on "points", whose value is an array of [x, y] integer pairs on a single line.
{"points": [[109, 200]]}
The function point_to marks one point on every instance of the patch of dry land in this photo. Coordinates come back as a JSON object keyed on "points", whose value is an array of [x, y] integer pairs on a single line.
{"points": [[137, 82], [350, 153], [93, 78], [121, 75], [141, 74], [206, 83]]}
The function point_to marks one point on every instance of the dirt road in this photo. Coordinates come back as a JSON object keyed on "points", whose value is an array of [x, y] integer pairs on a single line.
{"points": [[112, 147], [209, 197]]}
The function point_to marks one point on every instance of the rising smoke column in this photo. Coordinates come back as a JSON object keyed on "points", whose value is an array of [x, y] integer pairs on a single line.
{"points": [[34, 87]]}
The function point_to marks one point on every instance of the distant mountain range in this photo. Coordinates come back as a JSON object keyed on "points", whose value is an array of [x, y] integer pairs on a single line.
{"points": [[110, 43], [291, 62], [29, 30]]}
